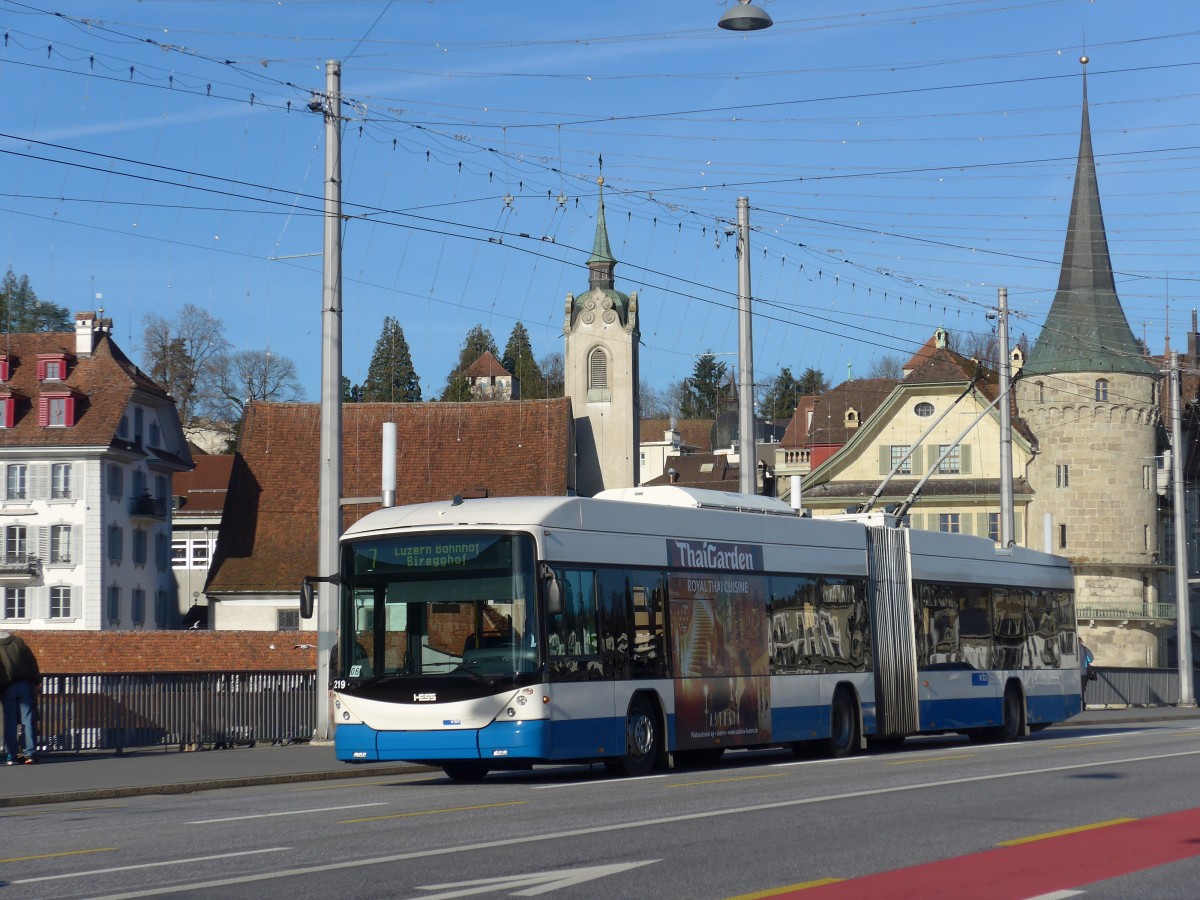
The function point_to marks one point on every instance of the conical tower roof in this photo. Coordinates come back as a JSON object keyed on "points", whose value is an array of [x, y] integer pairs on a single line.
{"points": [[1086, 329], [600, 268]]}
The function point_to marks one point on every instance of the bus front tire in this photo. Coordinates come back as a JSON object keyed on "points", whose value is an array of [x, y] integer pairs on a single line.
{"points": [[1012, 725], [467, 770], [843, 725], [642, 741]]}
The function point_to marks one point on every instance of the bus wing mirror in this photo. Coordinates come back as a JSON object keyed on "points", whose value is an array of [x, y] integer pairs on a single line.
{"points": [[553, 592], [306, 592], [306, 598]]}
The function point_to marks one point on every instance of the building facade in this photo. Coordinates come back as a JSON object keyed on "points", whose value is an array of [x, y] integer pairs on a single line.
{"points": [[88, 447]]}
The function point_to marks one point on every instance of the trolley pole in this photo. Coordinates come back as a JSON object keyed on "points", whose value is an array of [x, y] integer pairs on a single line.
{"points": [[1007, 529], [747, 464], [329, 513], [1183, 626]]}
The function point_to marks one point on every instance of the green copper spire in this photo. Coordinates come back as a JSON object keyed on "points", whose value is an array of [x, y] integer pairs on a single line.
{"points": [[1086, 329], [601, 252]]}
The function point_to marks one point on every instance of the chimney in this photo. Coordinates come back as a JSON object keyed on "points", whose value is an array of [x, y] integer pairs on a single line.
{"points": [[1193, 336], [85, 333]]}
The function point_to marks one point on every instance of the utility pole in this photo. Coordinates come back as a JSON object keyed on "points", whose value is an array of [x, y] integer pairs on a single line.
{"points": [[1007, 529], [329, 511], [747, 464], [1183, 626]]}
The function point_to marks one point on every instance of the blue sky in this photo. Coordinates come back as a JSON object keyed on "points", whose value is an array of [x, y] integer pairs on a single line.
{"points": [[902, 160]]}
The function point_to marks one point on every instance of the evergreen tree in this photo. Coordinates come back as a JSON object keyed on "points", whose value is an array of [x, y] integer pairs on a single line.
{"points": [[390, 377], [518, 359], [351, 393], [702, 392], [553, 376], [477, 342], [21, 312], [813, 382], [779, 399]]}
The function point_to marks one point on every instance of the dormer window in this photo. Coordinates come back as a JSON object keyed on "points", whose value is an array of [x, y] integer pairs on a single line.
{"points": [[56, 409], [51, 366], [8, 405], [3, 368], [851, 420]]}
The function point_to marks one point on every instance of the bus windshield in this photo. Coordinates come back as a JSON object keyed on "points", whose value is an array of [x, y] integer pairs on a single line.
{"points": [[457, 605]]}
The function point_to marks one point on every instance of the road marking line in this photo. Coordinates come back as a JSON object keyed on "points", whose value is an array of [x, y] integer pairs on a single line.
{"points": [[169, 862], [432, 812], [1074, 744], [909, 762], [723, 780], [163, 890], [291, 812], [14, 859], [600, 782], [774, 892], [1052, 834]]}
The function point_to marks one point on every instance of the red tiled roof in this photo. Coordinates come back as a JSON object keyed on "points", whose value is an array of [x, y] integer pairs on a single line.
{"points": [[486, 366], [204, 488], [85, 652], [692, 432], [700, 470], [864, 395], [268, 538], [103, 382]]}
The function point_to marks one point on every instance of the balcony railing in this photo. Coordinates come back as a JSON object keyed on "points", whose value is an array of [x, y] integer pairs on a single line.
{"points": [[1127, 612], [19, 566], [146, 507]]}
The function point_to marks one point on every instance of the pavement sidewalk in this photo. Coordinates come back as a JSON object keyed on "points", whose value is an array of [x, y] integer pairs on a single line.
{"points": [[75, 777]]}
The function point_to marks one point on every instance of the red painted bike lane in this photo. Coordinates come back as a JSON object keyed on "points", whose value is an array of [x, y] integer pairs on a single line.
{"points": [[1031, 869]]}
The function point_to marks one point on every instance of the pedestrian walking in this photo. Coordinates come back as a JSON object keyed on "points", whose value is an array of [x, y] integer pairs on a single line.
{"points": [[21, 674], [1086, 672]]}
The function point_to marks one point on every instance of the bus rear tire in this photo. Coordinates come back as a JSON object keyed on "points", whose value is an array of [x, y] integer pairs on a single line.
{"points": [[844, 738], [1012, 725], [643, 741], [466, 770]]}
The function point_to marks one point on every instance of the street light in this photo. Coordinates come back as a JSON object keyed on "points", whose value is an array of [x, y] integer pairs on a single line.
{"points": [[744, 17]]}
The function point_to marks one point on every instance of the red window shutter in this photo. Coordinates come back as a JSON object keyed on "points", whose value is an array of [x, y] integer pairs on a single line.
{"points": [[43, 408], [3, 368], [6, 412], [41, 370], [69, 418]]}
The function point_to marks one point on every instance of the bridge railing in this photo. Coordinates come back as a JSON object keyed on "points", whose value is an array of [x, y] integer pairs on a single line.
{"points": [[181, 709]]}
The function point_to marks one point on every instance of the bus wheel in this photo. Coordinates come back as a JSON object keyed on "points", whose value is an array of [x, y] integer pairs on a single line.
{"points": [[1013, 726], [642, 740], [467, 770], [843, 725]]}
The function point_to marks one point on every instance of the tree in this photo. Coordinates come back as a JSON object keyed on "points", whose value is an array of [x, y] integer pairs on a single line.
{"points": [[180, 356], [391, 377], [812, 383], [518, 359], [651, 403], [351, 392], [554, 382], [701, 395], [887, 366], [249, 375], [21, 312], [477, 342], [781, 396]]}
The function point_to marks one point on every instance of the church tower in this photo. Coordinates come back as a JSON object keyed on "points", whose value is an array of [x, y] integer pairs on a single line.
{"points": [[600, 368], [1090, 395]]}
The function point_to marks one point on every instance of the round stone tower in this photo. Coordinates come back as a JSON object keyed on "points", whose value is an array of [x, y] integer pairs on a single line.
{"points": [[1090, 396]]}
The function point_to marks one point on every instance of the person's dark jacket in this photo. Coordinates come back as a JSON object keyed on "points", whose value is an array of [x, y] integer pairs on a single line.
{"points": [[17, 660]]}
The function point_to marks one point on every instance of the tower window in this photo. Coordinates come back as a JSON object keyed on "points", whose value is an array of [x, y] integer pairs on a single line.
{"points": [[597, 376], [1062, 476], [1101, 389]]}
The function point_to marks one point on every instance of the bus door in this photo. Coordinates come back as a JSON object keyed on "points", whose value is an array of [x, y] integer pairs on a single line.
{"points": [[581, 693]]}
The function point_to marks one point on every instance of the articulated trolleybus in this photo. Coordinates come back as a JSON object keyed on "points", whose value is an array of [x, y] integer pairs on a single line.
{"points": [[647, 625]]}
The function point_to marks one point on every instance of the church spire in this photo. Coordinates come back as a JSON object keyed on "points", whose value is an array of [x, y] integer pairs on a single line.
{"points": [[1086, 329], [601, 262]]}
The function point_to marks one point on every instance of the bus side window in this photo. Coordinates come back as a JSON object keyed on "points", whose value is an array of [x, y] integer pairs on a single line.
{"points": [[572, 634], [648, 656]]}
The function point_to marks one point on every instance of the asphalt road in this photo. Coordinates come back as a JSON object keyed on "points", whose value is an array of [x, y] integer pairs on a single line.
{"points": [[1108, 811]]}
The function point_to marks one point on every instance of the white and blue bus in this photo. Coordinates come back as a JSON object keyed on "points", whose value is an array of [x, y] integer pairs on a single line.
{"points": [[652, 624]]}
